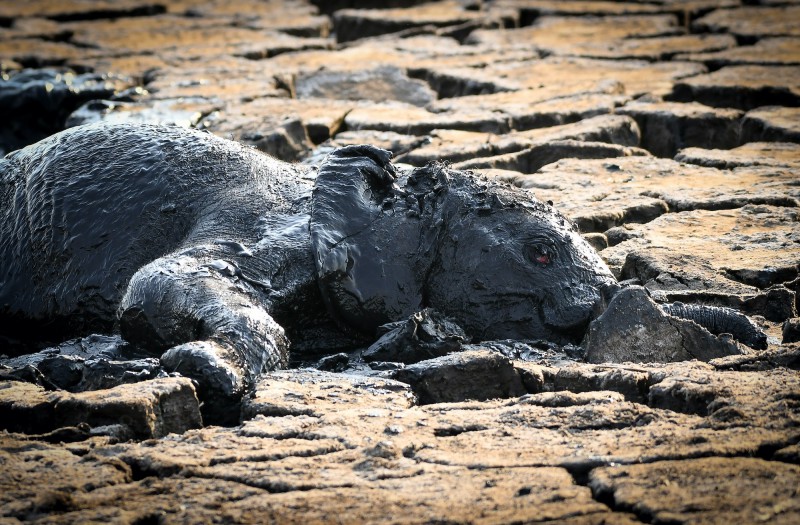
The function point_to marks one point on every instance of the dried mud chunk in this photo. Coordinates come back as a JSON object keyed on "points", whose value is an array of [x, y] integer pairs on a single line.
{"points": [[149, 409], [667, 127], [379, 84], [653, 49], [65, 11], [747, 410], [583, 437], [790, 454], [378, 487], [747, 490], [284, 128], [151, 500], [631, 383], [295, 17], [649, 37], [597, 240], [619, 234], [559, 34], [730, 399], [530, 10], [412, 120], [602, 194], [229, 452], [187, 38], [352, 24], [283, 136], [458, 93], [773, 123], [742, 87], [751, 22], [533, 9], [38, 479], [415, 54], [222, 80], [791, 330], [37, 53], [532, 159], [25, 407], [33, 27], [637, 76], [456, 146], [312, 392], [781, 51], [778, 154], [568, 399], [424, 335], [703, 251], [466, 375], [787, 355], [394, 142], [562, 110], [611, 129]]}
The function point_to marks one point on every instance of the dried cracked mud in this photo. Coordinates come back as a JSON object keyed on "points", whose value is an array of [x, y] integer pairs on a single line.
{"points": [[669, 130]]}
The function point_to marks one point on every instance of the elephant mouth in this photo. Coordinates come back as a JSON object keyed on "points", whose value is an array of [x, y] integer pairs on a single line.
{"points": [[559, 315], [569, 318]]}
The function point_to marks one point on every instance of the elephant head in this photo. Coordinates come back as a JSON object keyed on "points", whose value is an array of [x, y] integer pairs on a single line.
{"points": [[490, 256]]}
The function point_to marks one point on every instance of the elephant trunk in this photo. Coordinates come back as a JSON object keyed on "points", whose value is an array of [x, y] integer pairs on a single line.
{"points": [[720, 320]]}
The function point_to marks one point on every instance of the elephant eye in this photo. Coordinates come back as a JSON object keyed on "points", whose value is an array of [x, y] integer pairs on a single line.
{"points": [[539, 254]]}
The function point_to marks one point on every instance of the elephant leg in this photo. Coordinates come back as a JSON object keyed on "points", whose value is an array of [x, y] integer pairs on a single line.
{"points": [[720, 320], [210, 327]]}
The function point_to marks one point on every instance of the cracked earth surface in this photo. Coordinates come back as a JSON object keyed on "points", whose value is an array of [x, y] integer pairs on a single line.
{"points": [[667, 129]]}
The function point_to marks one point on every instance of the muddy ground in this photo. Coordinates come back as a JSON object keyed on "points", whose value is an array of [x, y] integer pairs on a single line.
{"points": [[669, 130]]}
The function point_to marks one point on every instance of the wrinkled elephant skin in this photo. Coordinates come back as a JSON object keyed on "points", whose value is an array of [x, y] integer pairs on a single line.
{"points": [[214, 256]]}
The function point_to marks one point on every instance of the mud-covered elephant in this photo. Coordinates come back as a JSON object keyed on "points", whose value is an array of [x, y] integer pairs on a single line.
{"points": [[218, 258]]}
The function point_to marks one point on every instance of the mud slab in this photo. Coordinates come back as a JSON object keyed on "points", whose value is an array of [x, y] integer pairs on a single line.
{"points": [[667, 130]]}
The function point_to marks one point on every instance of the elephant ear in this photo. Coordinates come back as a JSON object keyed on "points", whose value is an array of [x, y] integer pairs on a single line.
{"points": [[365, 240]]}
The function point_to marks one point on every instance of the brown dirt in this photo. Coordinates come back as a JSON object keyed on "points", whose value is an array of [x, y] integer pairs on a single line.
{"points": [[667, 129]]}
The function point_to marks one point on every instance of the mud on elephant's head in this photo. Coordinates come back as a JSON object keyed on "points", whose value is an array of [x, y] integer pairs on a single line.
{"points": [[492, 257]]}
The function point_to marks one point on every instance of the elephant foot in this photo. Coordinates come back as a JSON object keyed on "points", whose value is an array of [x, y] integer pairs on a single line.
{"points": [[221, 383]]}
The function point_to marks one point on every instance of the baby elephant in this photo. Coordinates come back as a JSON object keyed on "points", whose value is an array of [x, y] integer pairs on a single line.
{"points": [[216, 257]]}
